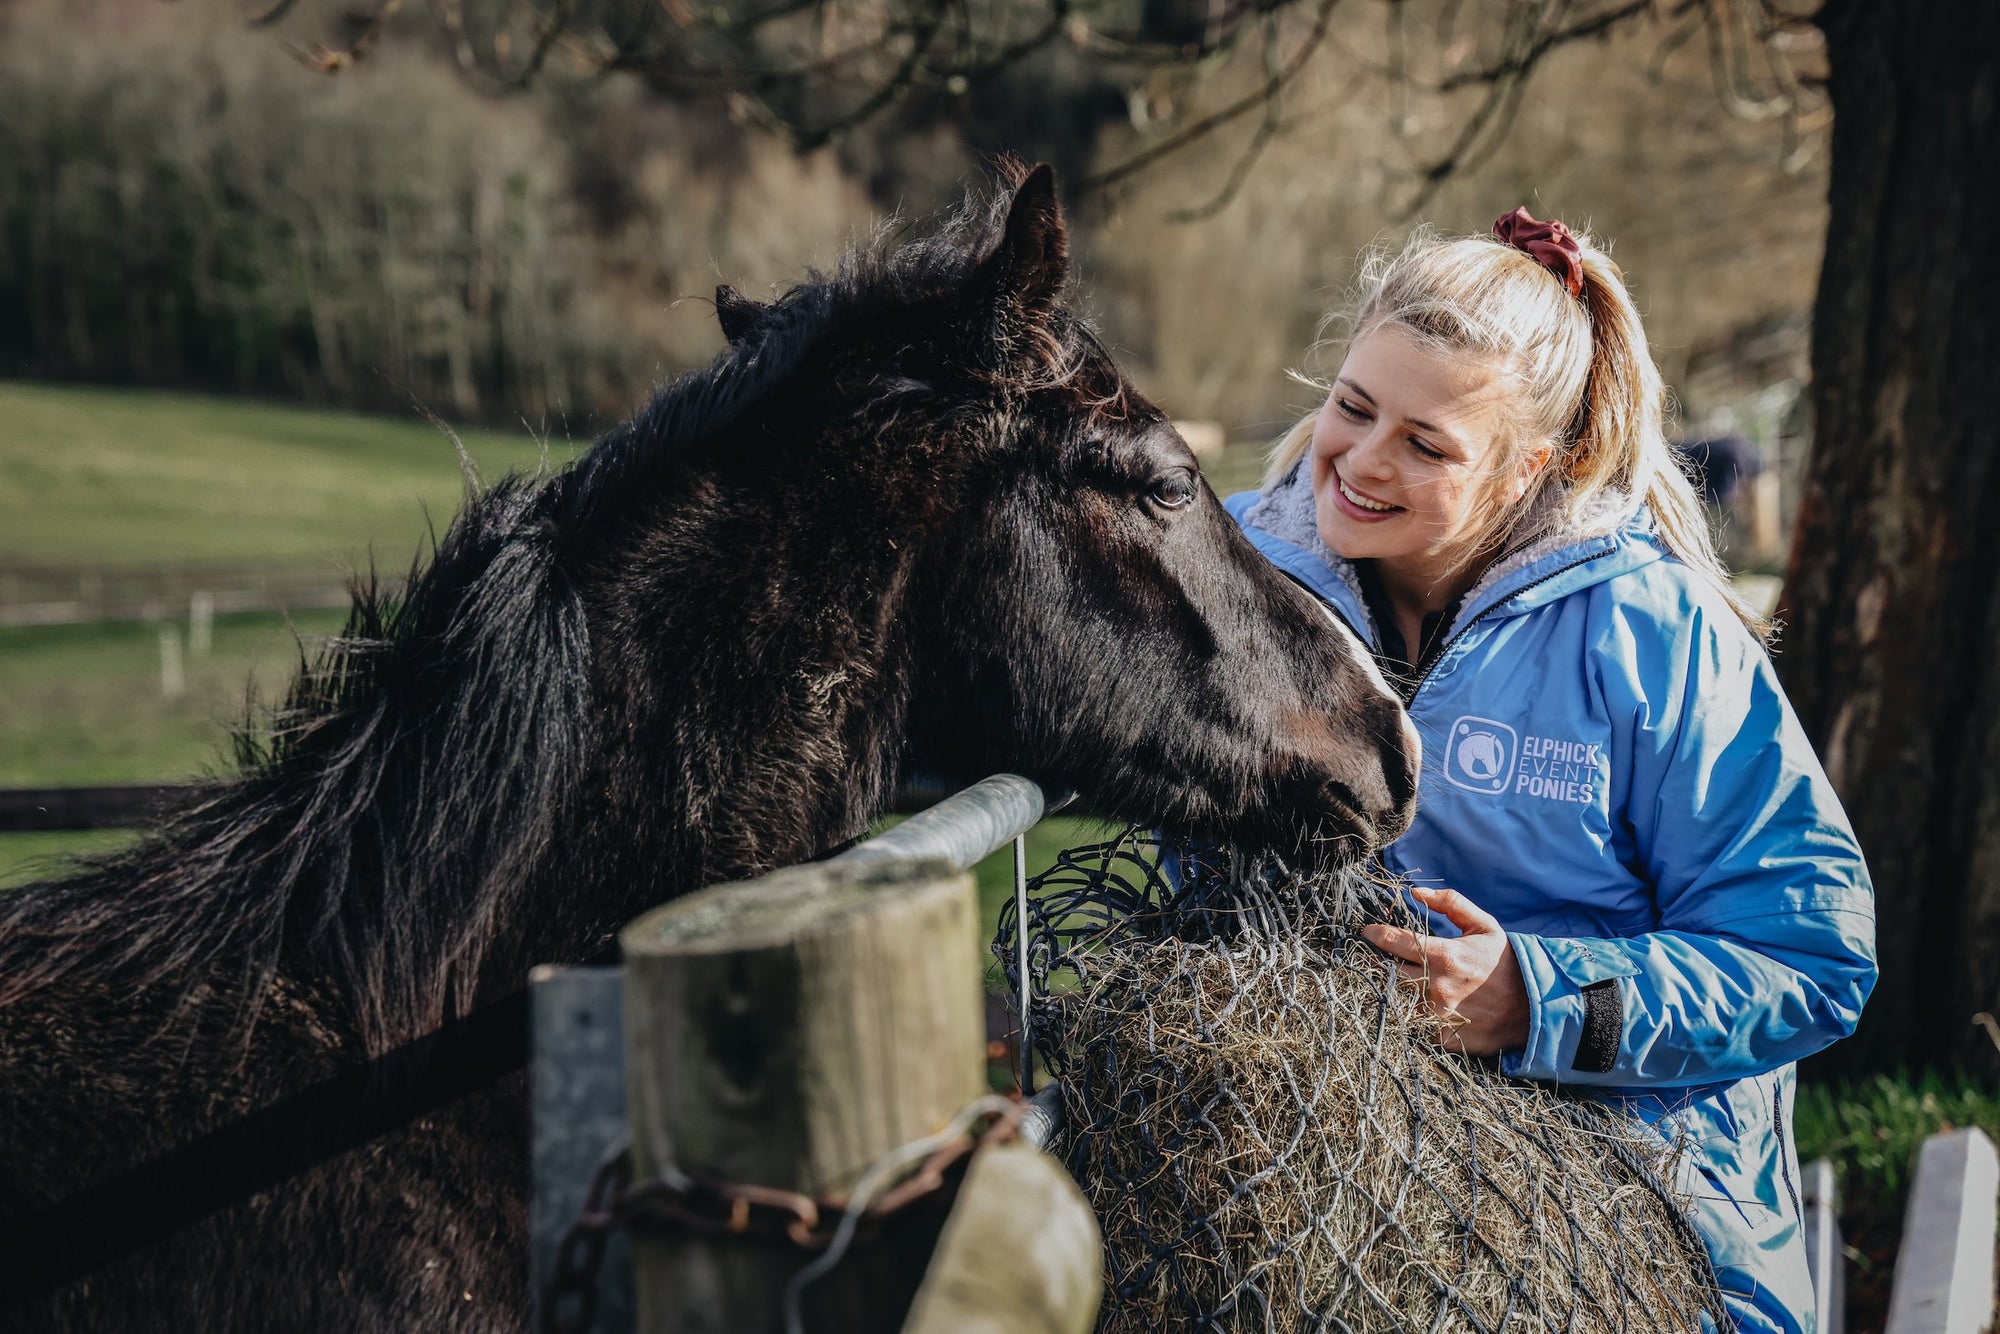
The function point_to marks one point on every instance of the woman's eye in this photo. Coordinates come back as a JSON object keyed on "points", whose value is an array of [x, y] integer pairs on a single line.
{"points": [[1349, 410], [1172, 491], [1435, 455]]}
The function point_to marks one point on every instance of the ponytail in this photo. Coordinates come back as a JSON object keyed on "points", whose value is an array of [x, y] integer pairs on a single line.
{"points": [[1620, 436]]}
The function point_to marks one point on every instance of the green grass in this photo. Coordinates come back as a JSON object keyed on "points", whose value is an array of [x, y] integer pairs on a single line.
{"points": [[81, 704], [93, 476], [28, 857], [117, 477], [1872, 1129]]}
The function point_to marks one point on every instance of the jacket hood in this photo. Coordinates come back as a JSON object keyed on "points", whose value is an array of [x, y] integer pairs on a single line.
{"points": [[1615, 535]]}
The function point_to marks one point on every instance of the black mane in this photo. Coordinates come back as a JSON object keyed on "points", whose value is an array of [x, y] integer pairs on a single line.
{"points": [[874, 289], [422, 763]]}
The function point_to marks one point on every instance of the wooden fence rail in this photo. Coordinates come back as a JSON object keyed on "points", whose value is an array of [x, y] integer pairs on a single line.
{"points": [[68, 595], [30, 810]]}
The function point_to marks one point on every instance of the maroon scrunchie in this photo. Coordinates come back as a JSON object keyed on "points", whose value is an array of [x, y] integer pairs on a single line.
{"points": [[1547, 243]]}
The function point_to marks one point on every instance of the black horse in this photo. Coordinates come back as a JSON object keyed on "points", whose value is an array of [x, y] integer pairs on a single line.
{"points": [[913, 520]]}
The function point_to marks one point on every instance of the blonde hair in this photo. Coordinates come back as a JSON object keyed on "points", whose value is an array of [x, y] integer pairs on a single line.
{"points": [[1586, 384]]}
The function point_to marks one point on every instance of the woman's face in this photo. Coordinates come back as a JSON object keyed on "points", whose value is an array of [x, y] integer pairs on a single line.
{"points": [[1402, 449]]}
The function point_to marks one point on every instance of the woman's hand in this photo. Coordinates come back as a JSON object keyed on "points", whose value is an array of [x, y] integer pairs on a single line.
{"points": [[1472, 983]]}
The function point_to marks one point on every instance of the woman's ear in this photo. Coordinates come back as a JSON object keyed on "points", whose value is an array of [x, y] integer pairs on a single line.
{"points": [[1532, 463]]}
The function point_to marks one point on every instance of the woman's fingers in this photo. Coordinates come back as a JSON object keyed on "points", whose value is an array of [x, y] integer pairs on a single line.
{"points": [[1394, 941], [1462, 912]]}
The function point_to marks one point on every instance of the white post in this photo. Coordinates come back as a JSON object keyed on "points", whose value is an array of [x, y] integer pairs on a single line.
{"points": [[201, 622], [173, 671], [1826, 1255], [1944, 1272], [1767, 538]]}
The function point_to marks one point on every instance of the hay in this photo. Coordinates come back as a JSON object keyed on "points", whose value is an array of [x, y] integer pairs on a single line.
{"points": [[1272, 1139]]}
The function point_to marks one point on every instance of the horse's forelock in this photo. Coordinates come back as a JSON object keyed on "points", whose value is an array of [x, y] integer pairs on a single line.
{"points": [[885, 287]]}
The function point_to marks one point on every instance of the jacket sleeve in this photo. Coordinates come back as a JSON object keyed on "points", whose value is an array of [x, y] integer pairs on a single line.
{"points": [[1765, 945]]}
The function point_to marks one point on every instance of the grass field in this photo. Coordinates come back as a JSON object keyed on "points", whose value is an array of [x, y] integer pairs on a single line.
{"points": [[116, 477], [92, 476]]}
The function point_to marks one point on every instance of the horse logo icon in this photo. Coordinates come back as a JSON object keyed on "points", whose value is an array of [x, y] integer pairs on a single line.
{"points": [[1480, 754]]}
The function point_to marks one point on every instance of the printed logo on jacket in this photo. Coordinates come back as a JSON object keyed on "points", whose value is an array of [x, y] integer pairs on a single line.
{"points": [[1489, 757]]}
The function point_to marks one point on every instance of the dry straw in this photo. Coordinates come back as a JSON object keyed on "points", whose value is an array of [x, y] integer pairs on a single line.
{"points": [[1273, 1141]]}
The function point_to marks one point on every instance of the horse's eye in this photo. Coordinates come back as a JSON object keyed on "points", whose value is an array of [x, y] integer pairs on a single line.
{"points": [[1173, 491]]}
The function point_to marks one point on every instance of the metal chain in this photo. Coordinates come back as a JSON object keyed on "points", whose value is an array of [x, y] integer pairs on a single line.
{"points": [[679, 1200], [569, 1299]]}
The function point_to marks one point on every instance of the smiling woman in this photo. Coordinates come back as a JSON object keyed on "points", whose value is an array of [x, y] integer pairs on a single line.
{"points": [[1636, 877]]}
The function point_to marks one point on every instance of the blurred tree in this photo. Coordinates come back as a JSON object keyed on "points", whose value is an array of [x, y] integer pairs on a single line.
{"points": [[1892, 599], [1049, 72], [1893, 648]]}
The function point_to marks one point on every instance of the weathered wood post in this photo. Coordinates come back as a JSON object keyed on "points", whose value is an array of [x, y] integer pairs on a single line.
{"points": [[786, 1032]]}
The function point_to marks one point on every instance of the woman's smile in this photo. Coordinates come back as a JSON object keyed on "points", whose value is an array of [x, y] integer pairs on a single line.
{"points": [[1360, 506]]}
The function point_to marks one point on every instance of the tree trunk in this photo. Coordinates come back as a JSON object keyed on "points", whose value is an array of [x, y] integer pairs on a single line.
{"points": [[1892, 602]]}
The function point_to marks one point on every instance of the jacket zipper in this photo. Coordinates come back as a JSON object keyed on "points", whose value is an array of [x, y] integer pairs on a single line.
{"points": [[1463, 630], [1784, 1146]]}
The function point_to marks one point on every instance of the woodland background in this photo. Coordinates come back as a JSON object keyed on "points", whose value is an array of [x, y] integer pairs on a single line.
{"points": [[181, 203], [245, 244]]}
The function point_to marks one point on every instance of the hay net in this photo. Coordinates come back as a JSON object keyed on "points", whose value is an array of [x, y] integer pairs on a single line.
{"points": [[1272, 1140]]}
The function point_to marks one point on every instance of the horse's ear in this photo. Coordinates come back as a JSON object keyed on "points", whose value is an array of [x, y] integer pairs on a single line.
{"points": [[737, 314], [1032, 261]]}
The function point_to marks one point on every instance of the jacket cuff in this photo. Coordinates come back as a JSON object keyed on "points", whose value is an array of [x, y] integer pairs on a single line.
{"points": [[1576, 1008]]}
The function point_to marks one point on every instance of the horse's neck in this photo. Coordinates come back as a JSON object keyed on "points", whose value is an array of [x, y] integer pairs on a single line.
{"points": [[766, 707]]}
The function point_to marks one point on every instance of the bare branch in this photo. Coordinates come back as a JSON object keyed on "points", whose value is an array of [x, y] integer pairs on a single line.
{"points": [[274, 14], [1267, 130], [816, 70], [1215, 120], [556, 25], [333, 59], [1519, 64], [1477, 140]]}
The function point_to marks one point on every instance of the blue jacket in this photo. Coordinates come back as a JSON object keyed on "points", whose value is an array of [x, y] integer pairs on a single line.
{"points": [[1612, 771]]}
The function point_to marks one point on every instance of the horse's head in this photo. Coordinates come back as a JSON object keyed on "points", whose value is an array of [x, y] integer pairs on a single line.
{"points": [[924, 519], [1107, 626]]}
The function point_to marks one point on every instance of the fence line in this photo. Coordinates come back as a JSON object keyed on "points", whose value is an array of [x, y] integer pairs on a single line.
{"points": [[34, 810], [579, 1087], [72, 595]]}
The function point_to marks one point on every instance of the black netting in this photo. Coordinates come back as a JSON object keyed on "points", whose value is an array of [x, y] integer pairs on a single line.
{"points": [[1271, 1138]]}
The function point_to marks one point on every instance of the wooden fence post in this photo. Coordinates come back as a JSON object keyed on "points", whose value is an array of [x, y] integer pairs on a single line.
{"points": [[787, 1032]]}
